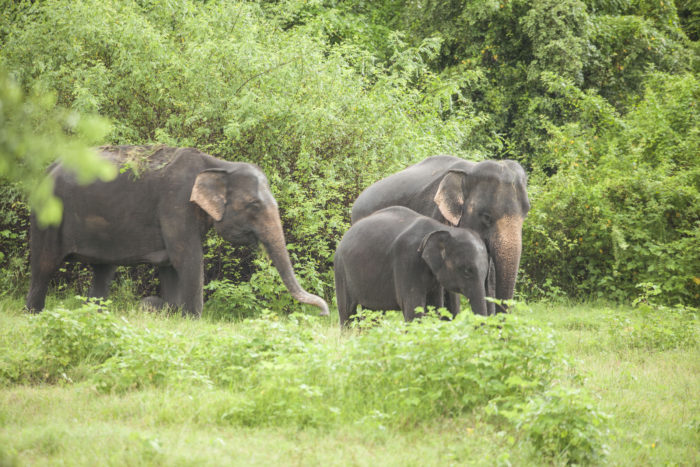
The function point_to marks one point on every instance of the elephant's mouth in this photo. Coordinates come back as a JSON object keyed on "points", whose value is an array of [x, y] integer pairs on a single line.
{"points": [[248, 239]]}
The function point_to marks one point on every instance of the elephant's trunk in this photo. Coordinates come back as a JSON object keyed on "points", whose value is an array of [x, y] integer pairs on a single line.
{"points": [[477, 300], [272, 237], [506, 247]]}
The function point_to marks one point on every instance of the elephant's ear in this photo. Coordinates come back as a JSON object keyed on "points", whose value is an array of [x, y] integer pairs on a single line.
{"points": [[450, 196], [209, 192], [433, 249]]}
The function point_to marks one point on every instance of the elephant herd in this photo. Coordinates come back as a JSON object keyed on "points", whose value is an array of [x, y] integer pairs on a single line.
{"points": [[419, 238]]}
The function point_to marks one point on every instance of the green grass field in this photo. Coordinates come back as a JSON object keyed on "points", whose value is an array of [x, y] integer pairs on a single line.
{"points": [[554, 383]]}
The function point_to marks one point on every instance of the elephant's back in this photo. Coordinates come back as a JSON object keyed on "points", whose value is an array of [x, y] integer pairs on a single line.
{"points": [[134, 162], [378, 232], [140, 158], [408, 187]]}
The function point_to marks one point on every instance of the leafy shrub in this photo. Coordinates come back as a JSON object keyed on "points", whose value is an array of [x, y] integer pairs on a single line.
{"points": [[34, 131], [14, 228], [88, 334], [439, 368], [149, 359], [623, 207], [264, 290], [215, 76], [596, 99], [563, 424]]}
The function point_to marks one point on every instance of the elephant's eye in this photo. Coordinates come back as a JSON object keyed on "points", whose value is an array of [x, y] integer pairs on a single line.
{"points": [[253, 206], [486, 218]]}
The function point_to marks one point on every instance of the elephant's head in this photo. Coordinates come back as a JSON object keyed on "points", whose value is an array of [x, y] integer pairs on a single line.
{"points": [[459, 260], [241, 204], [490, 199]]}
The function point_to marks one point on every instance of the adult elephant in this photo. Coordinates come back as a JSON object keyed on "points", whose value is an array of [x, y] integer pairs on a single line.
{"points": [[158, 210], [489, 197]]}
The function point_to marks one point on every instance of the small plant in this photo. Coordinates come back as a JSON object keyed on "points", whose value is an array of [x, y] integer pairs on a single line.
{"points": [[229, 300], [149, 359], [564, 424], [67, 338]]}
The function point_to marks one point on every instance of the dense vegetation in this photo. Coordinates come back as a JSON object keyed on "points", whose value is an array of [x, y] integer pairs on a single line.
{"points": [[549, 384], [598, 99]]}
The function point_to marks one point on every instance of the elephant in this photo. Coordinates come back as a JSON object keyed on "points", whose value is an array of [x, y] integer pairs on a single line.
{"points": [[399, 259], [158, 210], [489, 197]]}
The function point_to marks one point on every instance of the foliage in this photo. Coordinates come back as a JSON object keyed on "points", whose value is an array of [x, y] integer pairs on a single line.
{"points": [[70, 337], [623, 206], [564, 424], [290, 372], [597, 99], [33, 131], [648, 394], [218, 76], [14, 226]]}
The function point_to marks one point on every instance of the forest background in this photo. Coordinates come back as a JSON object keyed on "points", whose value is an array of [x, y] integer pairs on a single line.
{"points": [[597, 99]]}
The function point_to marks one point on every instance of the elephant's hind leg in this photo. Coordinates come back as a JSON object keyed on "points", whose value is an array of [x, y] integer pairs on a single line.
{"points": [[169, 291], [42, 267], [101, 280], [168, 285], [45, 259]]}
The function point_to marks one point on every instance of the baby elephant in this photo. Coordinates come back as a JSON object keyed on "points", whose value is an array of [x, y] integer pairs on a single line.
{"points": [[399, 259]]}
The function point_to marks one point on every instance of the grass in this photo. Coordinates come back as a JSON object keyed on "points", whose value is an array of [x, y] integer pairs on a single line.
{"points": [[653, 396], [644, 378]]}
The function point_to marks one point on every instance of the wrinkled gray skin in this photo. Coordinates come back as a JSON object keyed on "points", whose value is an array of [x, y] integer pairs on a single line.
{"points": [[159, 214], [399, 259], [489, 197]]}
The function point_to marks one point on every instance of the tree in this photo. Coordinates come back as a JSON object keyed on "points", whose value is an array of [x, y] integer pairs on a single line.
{"points": [[33, 132]]}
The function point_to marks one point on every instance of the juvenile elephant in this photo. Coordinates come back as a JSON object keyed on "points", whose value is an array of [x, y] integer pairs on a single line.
{"points": [[399, 259], [158, 211], [489, 197]]}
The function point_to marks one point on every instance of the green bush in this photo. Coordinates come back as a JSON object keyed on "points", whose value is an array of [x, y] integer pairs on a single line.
{"points": [[68, 338], [149, 359], [439, 368], [624, 205], [14, 229], [34, 132], [221, 77], [563, 424]]}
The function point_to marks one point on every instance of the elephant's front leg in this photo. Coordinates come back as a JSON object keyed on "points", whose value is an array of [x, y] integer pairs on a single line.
{"points": [[410, 298], [169, 291], [453, 303], [190, 285], [184, 280], [409, 306], [413, 290]]}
